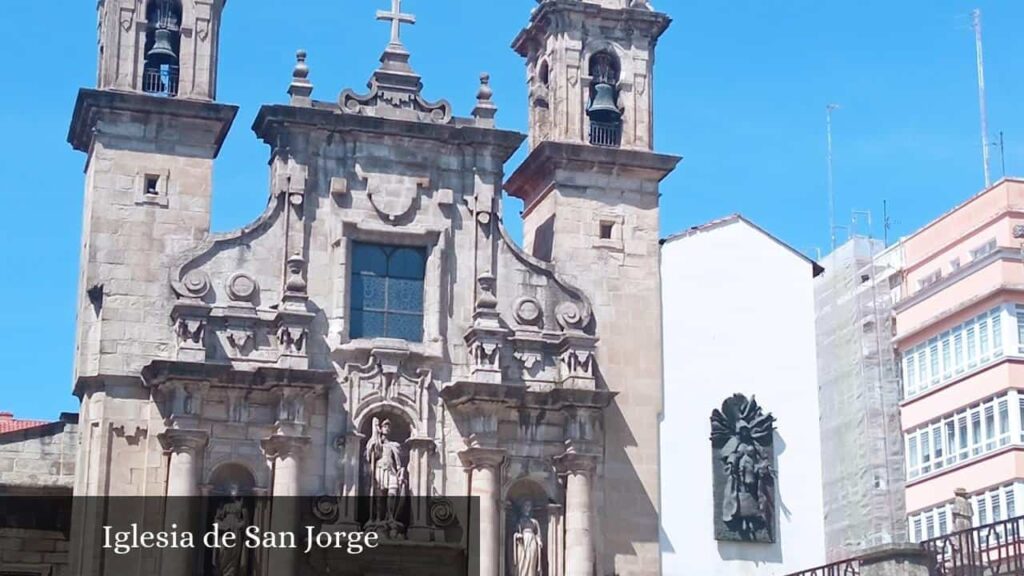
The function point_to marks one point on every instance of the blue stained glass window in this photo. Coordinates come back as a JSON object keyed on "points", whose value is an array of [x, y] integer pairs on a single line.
{"points": [[387, 291]]}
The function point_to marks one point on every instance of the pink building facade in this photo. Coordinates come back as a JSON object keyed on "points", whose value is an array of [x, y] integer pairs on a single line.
{"points": [[960, 336]]}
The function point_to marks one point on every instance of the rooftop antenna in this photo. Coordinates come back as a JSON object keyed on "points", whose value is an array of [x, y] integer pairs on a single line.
{"points": [[886, 223], [1001, 144], [976, 23], [831, 180]]}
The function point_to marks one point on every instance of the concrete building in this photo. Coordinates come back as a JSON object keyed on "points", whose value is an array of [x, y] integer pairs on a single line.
{"points": [[378, 304], [859, 395], [959, 336], [738, 318]]}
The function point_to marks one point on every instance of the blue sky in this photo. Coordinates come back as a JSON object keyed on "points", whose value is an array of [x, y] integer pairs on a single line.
{"points": [[741, 90]]}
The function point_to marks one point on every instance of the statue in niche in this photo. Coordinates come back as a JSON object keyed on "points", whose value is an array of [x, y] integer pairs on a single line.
{"points": [[232, 517], [389, 480], [744, 479], [526, 543]]}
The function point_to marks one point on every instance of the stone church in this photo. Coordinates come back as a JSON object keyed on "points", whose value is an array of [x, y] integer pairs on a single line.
{"points": [[376, 332]]}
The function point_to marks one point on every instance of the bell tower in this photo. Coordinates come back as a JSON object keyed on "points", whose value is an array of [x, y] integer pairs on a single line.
{"points": [[160, 47], [150, 132], [590, 189], [589, 70]]}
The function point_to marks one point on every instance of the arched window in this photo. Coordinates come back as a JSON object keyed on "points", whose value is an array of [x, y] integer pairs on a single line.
{"points": [[545, 73], [603, 109], [163, 47]]}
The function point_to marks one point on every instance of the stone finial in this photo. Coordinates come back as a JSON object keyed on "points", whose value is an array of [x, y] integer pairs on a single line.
{"points": [[301, 89], [485, 110], [295, 283]]}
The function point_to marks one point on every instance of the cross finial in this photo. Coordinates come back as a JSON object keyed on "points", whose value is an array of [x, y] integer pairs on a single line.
{"points": [[397, 19]]}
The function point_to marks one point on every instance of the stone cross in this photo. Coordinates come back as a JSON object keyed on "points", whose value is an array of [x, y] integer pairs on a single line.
{"points": [[397, 19]]}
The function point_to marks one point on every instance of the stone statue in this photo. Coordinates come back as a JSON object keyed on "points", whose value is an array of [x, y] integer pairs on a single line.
{"points": [[526, 544], [232, 517], [963, 512], [388, 479], [744, 479]]}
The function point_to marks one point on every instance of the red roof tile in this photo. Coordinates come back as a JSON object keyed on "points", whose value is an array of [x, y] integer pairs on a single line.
{"points": [[9, 424]]}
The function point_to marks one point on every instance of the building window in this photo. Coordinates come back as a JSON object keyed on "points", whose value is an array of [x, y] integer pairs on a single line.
{"points": [[977, 342], [929, 279], [984, 250], [989, 507], [967, 434], [387, 291]]}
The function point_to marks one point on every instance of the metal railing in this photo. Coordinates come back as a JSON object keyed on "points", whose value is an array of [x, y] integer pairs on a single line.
{"points": [[992, 550], [995, 549], [605, 134], [848, 567], [161, 81]]}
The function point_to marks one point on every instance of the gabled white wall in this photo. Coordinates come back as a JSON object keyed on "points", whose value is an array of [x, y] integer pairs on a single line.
{"points": [[738, 317]]}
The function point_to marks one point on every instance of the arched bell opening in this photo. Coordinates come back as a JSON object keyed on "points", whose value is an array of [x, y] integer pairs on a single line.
{"points": [[603, 106], [163, 47]]}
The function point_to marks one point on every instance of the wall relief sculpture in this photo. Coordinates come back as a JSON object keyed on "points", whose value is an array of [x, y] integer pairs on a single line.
{"points": [[743, 453]]}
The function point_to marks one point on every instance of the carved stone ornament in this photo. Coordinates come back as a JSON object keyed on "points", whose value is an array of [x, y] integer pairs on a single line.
{"points": [[571, 316], [191, 330], [529, 358], [743, 455], [395, 101], [291, 338], [528, 311], [240, 338], [392, 200], [442, 512], [242, 287], [296, 283], [195, 284], [1018, 231]]}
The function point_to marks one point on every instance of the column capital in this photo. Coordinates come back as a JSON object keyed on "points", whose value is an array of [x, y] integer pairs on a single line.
{"points": [[576, 463], [477, 457], [176, 440], [280, 446]]}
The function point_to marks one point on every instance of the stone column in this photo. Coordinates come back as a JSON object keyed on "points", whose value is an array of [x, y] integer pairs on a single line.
{"points": [[484, 465], [285, 452], [185, 451], [579, 509]]}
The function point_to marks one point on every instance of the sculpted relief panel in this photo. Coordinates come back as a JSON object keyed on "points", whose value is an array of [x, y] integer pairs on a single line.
{"points": [[743, 454]]}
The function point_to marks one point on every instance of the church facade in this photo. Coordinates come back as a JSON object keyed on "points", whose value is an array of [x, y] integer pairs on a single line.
{"points": [[376, 332]]}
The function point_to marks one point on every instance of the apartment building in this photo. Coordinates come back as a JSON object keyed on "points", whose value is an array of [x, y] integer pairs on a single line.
{"points": [[960, 339]]}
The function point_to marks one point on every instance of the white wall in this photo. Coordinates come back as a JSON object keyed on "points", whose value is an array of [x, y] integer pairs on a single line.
{"points": [[738, 317]]}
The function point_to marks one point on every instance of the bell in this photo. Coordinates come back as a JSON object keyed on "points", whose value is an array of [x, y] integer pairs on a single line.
{"points": [[602, 107], [162, 51]]}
